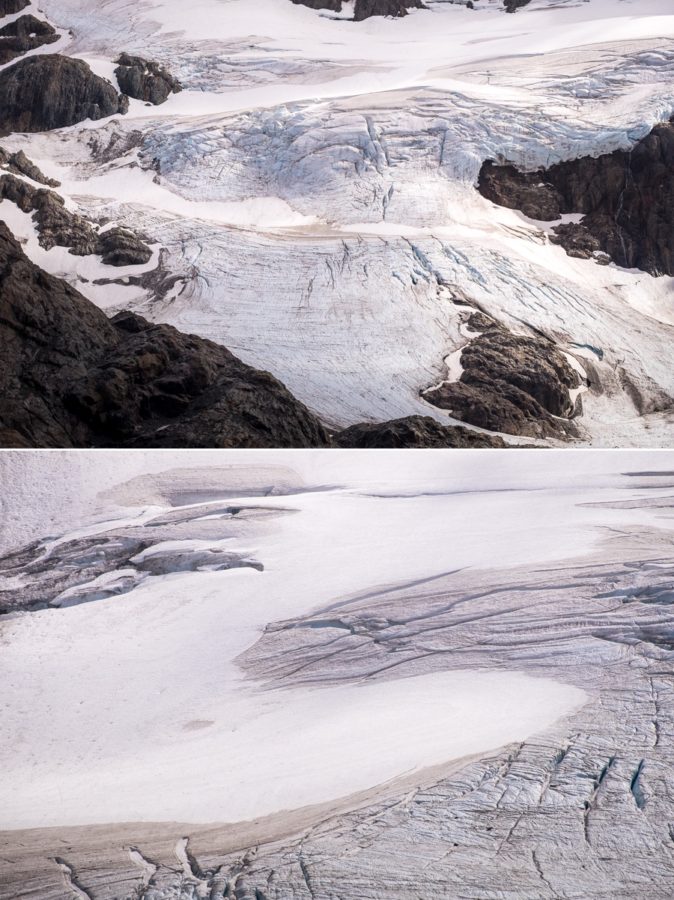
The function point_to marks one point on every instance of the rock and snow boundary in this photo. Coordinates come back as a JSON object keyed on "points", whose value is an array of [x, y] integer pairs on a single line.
{"points": [[313, 189]]}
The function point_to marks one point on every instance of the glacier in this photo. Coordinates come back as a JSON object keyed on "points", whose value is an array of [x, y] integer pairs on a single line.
{"points": [[311, 191], [308, 674]]}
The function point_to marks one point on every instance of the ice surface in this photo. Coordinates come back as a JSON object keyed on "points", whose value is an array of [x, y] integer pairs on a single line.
{"points": [[314, 186], [103, 698]]}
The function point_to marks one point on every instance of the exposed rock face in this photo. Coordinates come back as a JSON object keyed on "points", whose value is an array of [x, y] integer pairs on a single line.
{"points": [[69, 377], [19, 164], [332, 5], [512, 6], [366, 8], [578, 241], [24, 34], [627, 198], [413, 431], [510, 383], [527, 191], [9, 7], [58, 227], [52, 91], [122, 247], [145, 80]]}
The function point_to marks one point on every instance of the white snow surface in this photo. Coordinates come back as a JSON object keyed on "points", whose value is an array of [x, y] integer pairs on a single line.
{"points": [[134, 708], [314, 186]]}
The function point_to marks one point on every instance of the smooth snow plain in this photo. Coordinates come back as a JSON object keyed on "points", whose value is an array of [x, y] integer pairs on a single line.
{"points": [[134, 708], [314, 188]]}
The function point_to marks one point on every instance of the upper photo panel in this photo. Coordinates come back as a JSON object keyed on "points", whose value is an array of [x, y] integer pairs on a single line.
{"points": [[352, 223]]}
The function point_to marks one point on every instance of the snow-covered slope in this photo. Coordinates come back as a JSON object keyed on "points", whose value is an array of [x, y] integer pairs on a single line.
{"points": [[443, 646], [99, 748], [313, 187]]}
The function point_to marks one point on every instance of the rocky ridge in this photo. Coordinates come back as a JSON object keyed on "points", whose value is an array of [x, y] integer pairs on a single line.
{"points": [[19, 164], [58, 227], [515, 384]]}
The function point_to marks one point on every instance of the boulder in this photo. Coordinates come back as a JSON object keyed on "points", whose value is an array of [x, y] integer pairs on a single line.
{"points": [[145, 80], [122, 247]]}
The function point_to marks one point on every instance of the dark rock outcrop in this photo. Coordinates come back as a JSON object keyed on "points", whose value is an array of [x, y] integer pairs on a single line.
{"points": [[528, 192], [510, 383], [24, 34], [19, 164], [58, 227], [9, 7], [122, 247], [332, 5], [145, 80], [577, 240], [364, 9], [51, 91], [69, 377], [411, 432], [626, 198], [512, 6]]}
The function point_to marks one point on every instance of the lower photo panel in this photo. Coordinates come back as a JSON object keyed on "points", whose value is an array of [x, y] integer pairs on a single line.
{"points": [[336, 675]]}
